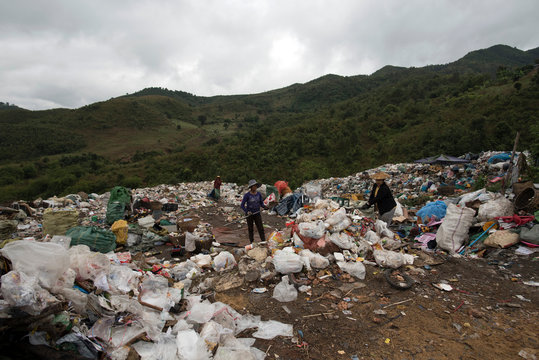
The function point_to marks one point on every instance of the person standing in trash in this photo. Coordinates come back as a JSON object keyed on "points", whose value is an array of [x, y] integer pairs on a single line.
{"points": [[382, 198], [251, 204], [216, 192]]}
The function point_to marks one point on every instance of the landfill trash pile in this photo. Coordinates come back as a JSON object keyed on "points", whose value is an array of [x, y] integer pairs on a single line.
{"points": [[87, 272]]}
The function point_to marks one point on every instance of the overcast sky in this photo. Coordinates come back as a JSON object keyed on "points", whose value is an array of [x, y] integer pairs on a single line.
{"points": [[70, 53]]}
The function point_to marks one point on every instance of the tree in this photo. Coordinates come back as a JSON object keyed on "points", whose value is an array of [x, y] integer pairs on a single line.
{"points": [[202, 119], [518, 86]]}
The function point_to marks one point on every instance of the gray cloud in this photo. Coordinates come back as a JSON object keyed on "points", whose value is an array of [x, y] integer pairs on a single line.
{"points": [[64, 53]]}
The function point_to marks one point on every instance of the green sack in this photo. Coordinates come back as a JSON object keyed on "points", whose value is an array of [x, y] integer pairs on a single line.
{"points": [[115, 211], [95, 238], [120, 194]]}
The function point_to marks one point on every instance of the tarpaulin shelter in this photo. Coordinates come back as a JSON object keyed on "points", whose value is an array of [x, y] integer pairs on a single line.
{"points": [[442, 159]]}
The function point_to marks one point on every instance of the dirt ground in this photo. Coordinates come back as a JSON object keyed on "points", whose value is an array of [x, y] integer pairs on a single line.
{"points": [[489, 314]]}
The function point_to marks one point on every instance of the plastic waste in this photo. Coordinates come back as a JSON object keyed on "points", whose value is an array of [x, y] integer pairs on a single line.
{"points": [[88, 264], [246, 321], [201, 312], [454, 229], [497, 207], [65, 241], [342, 240], [202, 260], [191, 346], [315, 260], [287, 261], [45, 261], [224, 261], [285, 291], [122, 279], [21, 290], [119, 228], [383, 230], [190, 242], [354, 268], [269, 329], [341, 225], [146, 222], [392, 259], [371, 237], [313, 230]]}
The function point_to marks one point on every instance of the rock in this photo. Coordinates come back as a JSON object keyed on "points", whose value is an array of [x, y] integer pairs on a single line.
{"points": [[258, 253], [228, 281]]}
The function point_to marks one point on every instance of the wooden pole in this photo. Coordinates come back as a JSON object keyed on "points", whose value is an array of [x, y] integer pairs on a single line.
{"points": [[510, 170]]}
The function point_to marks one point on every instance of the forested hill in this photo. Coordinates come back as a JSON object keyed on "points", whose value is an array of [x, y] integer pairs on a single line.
{"points": [[330, 126]]}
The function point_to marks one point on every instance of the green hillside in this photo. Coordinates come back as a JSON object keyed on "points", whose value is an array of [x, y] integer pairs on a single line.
{"points": [[330, 126]]}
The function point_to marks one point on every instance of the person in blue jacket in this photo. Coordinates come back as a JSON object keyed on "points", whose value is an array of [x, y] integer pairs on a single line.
{"points": [[251, 204]]}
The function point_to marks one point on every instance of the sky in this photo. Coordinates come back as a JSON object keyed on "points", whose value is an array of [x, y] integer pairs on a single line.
{"points": [[66, 53]]}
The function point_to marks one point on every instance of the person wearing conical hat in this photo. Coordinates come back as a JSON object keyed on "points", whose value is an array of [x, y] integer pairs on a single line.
{"points": [[381, 198], [251, 204]]}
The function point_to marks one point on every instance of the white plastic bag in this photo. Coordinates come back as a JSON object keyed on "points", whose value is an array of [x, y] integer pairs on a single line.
{"points": [[392, 259], [287, 262], [454, 229], [65, 241], [372, 238], [45, 261], [22, 290], [342, 240], [284, 291], [269, 329], [122, 279], [354, 268], [313, 230], [190, 240], [146, 222], [341, 226], [191, 346], [337, 217], [202, 260], [383, 230], [88, 264], [499, 206], [201, 312], [315, 260], [224, 261]]}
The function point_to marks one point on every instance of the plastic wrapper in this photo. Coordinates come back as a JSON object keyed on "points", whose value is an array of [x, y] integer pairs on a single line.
{"points": [[88, 264], [122, 279], [287, 262], [354, 268], [124, 334], [184, 270], [224, 261], [102, 329], [191, 346], [269, 329], [246, 321], [392, 259], [372, 238], [76, 298], [200, 312], [46, 261], [313, 230], [454, 229], [21, 290], [155, 291], [212, 331], [284, 291]]}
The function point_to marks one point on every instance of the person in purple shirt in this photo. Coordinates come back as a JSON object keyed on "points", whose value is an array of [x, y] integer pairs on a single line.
{"points": [[251, 204]]}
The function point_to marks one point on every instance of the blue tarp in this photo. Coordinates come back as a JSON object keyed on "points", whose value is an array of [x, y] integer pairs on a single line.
{"points": [[499, 158], [437, 209]]}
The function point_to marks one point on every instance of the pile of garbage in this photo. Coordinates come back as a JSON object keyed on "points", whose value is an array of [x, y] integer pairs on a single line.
{"points": [[85, 272]]}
